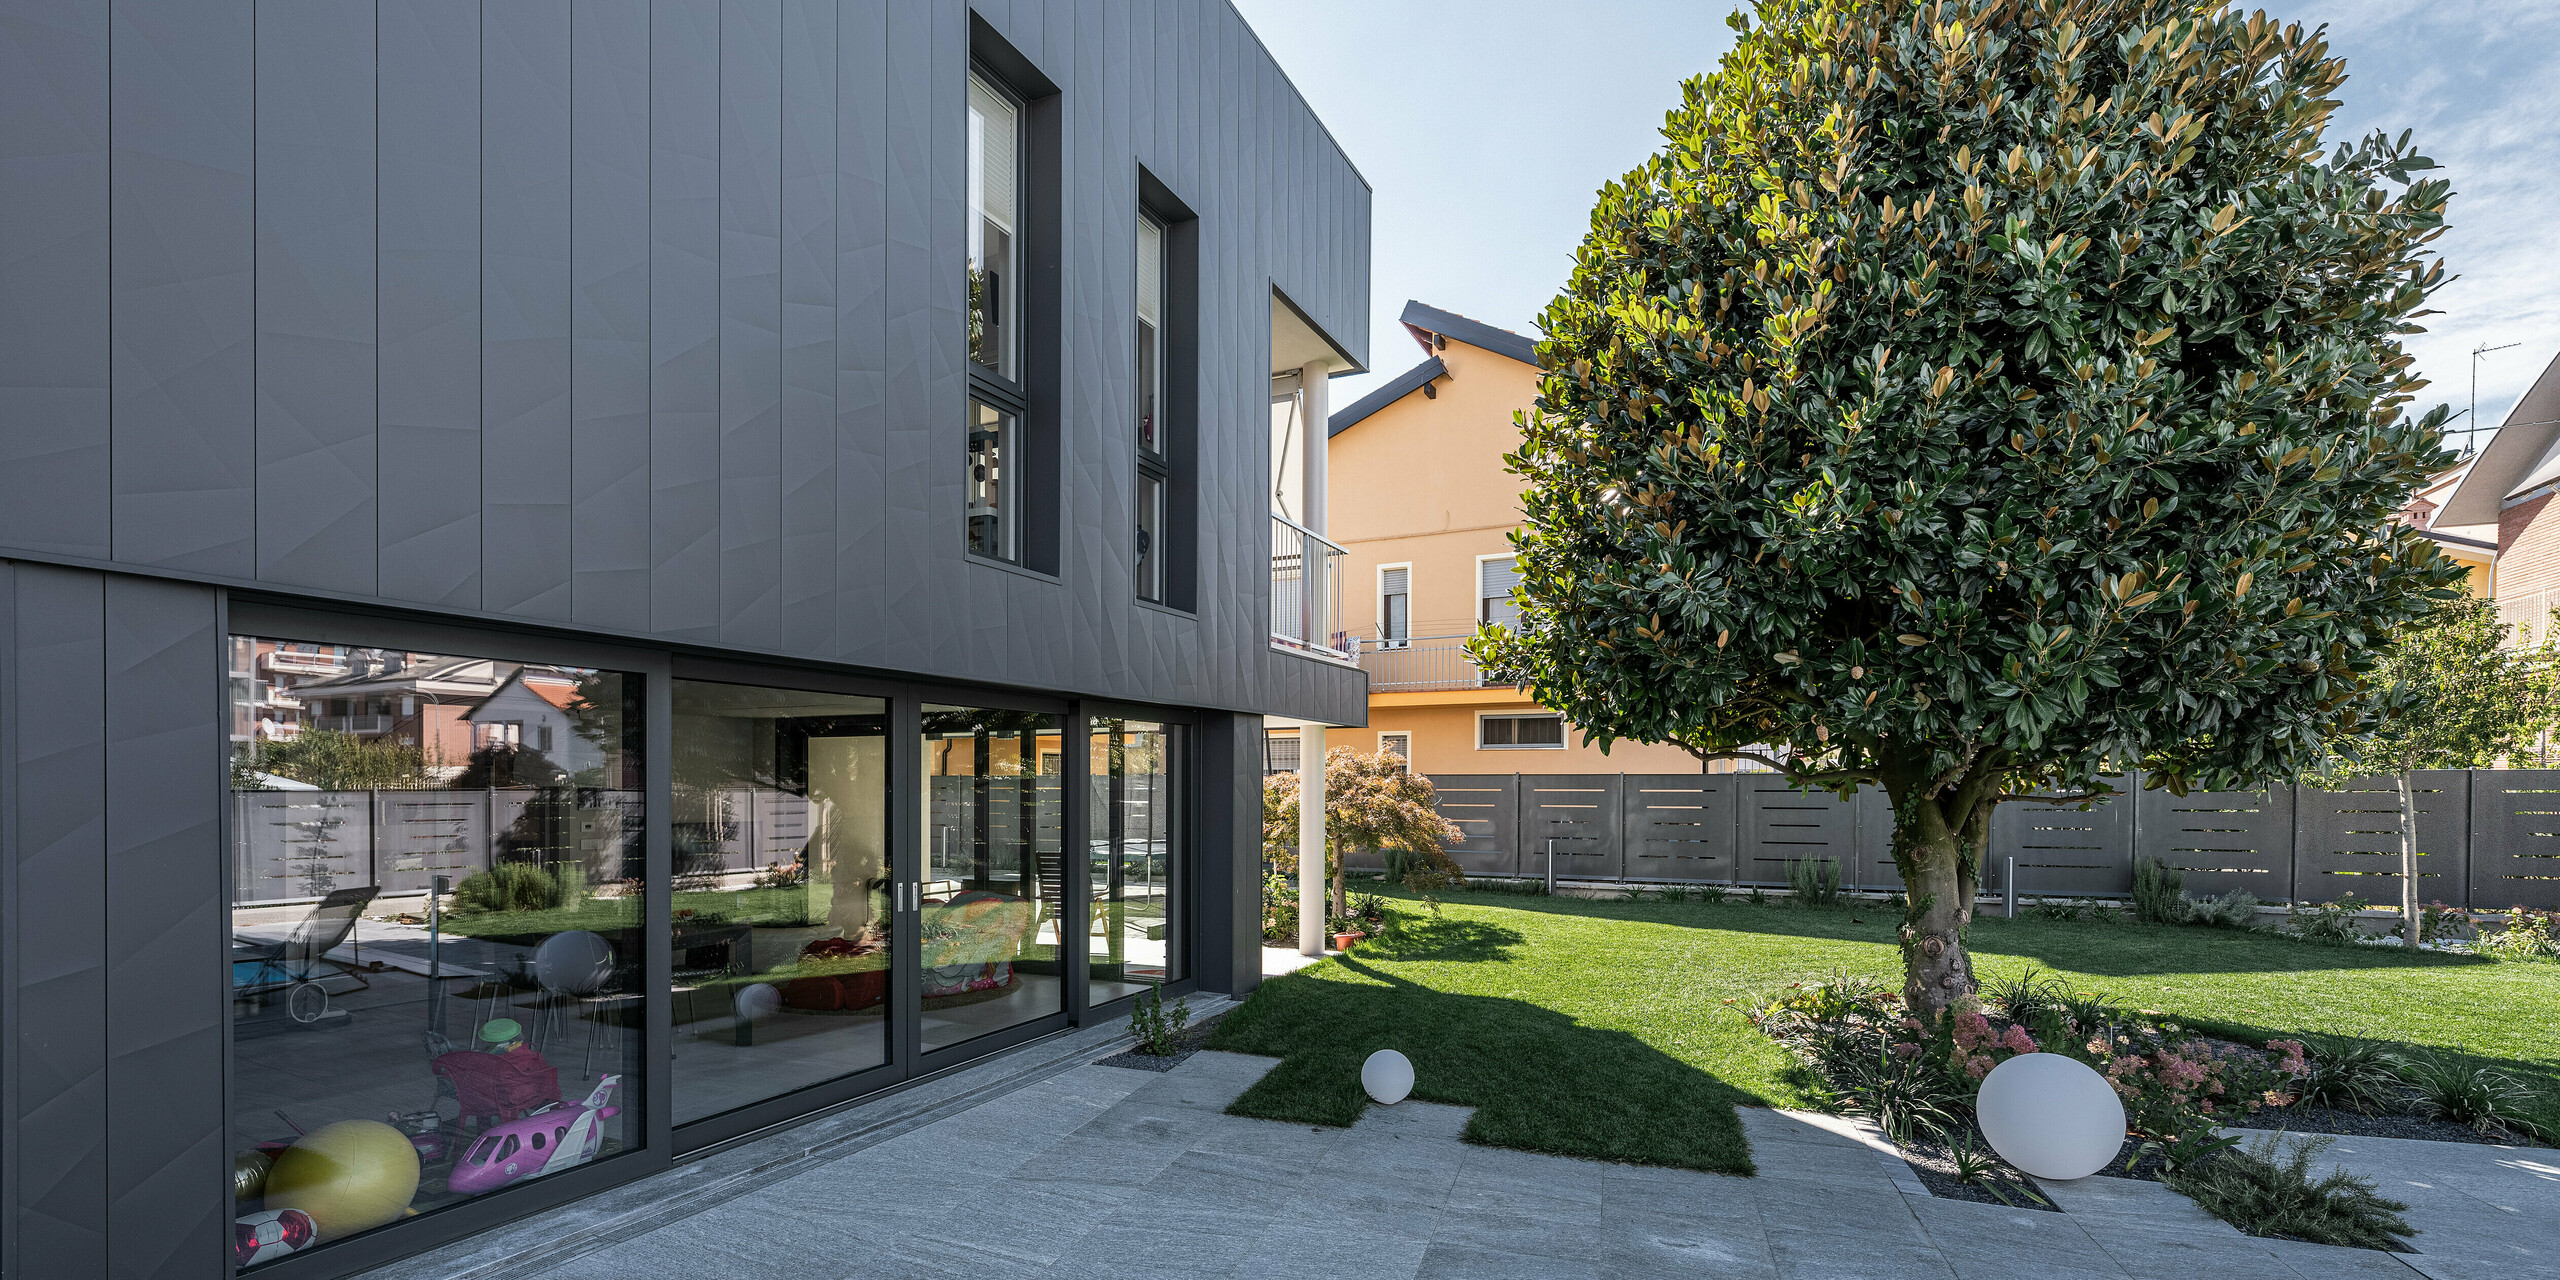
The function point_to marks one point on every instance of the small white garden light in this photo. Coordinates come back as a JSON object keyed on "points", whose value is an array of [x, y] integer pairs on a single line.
{"points": [[1388, 1076], [757, 1001], [2051, 1115]]}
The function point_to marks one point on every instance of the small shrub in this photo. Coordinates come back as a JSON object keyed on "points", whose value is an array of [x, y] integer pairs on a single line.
{"points": [[2438, 922], [1526, 888], [508, 886], [2237, 909], [1159, 1030], [1975, 1167], [1757, 898], [1905, 1094], [1816, 881], [2330, 924], [2267, 1189], [2528, 935], [2450, 1088], [2158, 896], [1711, 893], [2350, 1075], [2093, 1015], [2026, 999]]}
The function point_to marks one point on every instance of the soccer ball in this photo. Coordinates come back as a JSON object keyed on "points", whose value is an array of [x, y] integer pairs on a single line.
{"points": [[272, 1234]]}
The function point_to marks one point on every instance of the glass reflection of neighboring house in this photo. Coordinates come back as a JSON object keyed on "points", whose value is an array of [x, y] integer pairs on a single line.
{"points": [[535, 708], [445, 707]]}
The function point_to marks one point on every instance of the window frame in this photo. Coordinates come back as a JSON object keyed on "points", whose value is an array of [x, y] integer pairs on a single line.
{"points": [[1150, 384], [1403, 752], [1563, 736], [1484, 615], [1405, 640], [1011, 309]]}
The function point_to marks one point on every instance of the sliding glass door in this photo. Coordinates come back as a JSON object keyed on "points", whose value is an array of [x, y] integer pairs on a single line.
{"points": [[994, 873], [1134, 858], [783, 922]]}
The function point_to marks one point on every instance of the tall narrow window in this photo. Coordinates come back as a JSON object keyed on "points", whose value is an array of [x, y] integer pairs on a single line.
{"points": [[995, 164], [1495, 577], [1395, 606], [1150, 401], [994, 531]]}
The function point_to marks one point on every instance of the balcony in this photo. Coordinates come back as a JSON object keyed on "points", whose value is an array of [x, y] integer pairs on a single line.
{"points": [[298, 663], [361, 726], [1306, 593], [1424, 663]]}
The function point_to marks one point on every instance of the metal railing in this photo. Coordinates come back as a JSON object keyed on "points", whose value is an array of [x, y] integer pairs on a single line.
{"points": [[1306, 592], [1425, 662]]}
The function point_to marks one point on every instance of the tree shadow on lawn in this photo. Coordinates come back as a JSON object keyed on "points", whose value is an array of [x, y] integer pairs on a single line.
{"points": [[1538, 1079]]}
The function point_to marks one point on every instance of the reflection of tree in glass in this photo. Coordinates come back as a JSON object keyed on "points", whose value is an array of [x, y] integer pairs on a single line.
{"points": [[331, 761]]}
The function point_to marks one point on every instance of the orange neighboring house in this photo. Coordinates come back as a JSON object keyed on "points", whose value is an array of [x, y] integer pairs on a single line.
{"points": [[1421, 502], [2504, 496]]}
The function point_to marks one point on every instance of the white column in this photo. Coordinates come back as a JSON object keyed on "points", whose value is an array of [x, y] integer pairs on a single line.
{"points": [[1312, 904], [1311, 382]]}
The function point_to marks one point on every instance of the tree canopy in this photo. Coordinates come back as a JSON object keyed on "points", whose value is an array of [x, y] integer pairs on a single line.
{"points": [[1980, 395]]}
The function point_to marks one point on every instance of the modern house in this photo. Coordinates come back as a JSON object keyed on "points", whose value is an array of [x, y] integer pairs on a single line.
{"points": [[2503, 499], [582, 580], [1424, 508]]}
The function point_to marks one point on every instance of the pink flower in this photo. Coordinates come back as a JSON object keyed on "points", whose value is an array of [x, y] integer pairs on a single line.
{"points": [[1978, 1066], [1906, 1050], [1972, 1029], [2018, 1041]]}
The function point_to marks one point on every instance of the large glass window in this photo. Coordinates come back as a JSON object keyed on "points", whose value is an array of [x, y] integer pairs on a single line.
{"points": [[994, 875], [995, 168], [436, 895], [1153, 469], [994, 523], [783, 919], [1135, 858]]}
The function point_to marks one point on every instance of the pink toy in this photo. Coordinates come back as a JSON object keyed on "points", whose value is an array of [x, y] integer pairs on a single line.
{"points": [[560, 1136]]}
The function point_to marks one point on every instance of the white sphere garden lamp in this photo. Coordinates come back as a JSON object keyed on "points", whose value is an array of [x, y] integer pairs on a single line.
{"points": [[1388, 1076], [2050, 1115]]}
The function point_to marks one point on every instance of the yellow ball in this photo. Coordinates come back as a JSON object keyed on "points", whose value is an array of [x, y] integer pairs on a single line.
{"points": [[350, 1176]]}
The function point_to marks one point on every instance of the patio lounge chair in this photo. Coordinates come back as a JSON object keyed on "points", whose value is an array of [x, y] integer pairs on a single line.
{"points": [[294, 966]]}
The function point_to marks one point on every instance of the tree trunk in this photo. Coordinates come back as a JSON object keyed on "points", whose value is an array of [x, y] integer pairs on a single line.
{"points": [[1941, 865], [2408, 862], [1341, 900]]}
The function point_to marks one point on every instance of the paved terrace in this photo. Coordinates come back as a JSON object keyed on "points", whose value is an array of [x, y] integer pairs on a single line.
{"points": [[1040, 1164]]}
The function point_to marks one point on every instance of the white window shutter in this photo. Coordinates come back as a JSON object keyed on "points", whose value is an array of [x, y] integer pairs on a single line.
{"points": [[996, 120], [1496, 578], [1150, 272], [1391, 582]]}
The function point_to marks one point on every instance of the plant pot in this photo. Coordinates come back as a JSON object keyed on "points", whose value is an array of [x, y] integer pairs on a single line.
{"points": [[1343, 941]]}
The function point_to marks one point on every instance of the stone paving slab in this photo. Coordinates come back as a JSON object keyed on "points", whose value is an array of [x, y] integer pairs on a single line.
{"points": [[1098, 1172]]}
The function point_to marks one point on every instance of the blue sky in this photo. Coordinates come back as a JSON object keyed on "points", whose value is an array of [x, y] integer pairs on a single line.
{"points": [[1486, 127]]}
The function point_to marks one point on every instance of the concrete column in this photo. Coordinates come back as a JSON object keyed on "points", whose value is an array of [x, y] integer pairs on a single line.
{"points": [[1311, 881]]}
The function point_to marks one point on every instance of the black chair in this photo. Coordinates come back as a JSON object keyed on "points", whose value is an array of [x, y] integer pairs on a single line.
{"points": [[294, 966]]}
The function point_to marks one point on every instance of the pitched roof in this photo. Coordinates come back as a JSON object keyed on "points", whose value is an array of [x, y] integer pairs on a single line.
{"points": [[2525, 454], [1386, 393], [1423, 321]]}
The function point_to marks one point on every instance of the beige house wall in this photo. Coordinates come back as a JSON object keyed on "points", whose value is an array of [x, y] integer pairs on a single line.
{"points": [[1421, 483]]}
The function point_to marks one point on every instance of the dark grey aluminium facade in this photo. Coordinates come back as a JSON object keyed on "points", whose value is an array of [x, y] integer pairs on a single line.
{"points": [[584, 578]]}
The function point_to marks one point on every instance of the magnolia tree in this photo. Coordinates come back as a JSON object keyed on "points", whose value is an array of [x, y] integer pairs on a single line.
{"points": [[1370, 802], [1976, 396], [2455, 697]]}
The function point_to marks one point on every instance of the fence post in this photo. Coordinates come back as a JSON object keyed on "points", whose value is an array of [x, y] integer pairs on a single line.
{"points": [[2009, 887]]}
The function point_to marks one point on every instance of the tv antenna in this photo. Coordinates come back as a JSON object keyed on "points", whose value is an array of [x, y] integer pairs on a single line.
{"points": [[2471, 434]]}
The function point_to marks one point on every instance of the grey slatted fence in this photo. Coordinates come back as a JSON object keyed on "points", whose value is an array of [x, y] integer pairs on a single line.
{"points": [[2487, 838], [1577, 819], [1679, 826], [2515, 839]]}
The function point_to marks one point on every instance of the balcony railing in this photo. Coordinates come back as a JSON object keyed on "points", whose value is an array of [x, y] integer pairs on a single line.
{"points": [[1425, 662], [1306, 592], [360, 725]]}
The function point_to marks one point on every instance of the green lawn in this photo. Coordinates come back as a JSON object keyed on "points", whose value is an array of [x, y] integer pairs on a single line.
{"points": [[1603, 1028]]}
